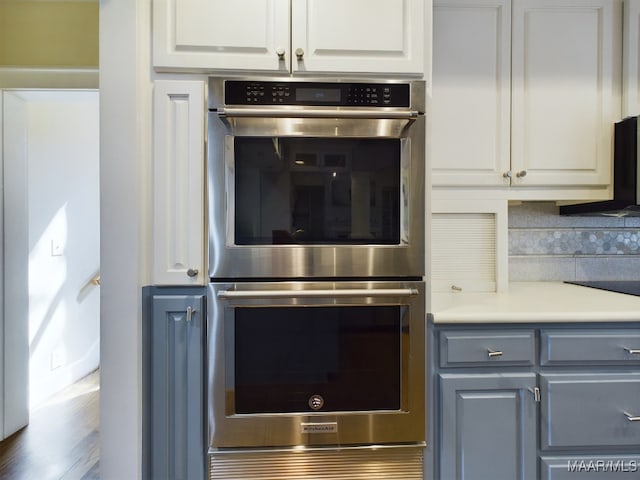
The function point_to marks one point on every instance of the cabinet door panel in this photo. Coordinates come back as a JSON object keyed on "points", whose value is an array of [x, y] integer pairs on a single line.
{"points": [[566, 68], [178, 183], [488, 425], [589, 410], [358, 36], [470, 108], [177, 388], [221, 35]]}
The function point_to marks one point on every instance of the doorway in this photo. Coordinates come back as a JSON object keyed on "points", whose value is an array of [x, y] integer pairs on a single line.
{"points": [[51, 245]]}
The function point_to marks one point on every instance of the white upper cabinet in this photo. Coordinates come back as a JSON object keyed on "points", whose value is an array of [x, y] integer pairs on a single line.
{"points": [[631, 60], [178, 183], [283, 36], [566, 69], [525, 94], [470, 107]]}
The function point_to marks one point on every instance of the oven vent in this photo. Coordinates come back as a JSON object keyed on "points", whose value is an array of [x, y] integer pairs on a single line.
{"points": [[364, 463]]}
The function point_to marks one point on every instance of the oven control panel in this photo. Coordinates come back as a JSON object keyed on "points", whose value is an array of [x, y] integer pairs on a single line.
{"points": [[333, 94]]}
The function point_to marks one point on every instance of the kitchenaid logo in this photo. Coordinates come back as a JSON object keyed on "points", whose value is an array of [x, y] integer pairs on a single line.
{"points": [[325, 427], [600, 466]]}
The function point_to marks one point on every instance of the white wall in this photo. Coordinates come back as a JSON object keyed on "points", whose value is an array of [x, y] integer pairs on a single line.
{"points": [[64, 241]]}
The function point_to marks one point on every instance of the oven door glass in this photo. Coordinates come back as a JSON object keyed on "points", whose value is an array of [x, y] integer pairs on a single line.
{"points": [[317, 191], [333, 358]]}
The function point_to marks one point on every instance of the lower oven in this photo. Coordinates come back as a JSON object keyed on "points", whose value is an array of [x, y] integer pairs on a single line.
{"points": [[316, 363]]}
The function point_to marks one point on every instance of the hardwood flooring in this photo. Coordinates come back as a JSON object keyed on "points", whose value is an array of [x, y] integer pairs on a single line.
{"points": [[61, 441]]}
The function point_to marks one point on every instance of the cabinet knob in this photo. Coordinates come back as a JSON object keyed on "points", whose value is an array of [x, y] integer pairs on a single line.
{"points": [[507, 174], [280, 52], [192, 272], [299, 54], [521, 173]]}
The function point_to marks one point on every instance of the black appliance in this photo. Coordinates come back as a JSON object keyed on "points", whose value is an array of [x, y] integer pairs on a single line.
{"points": [[626, 184], [630, 287]]}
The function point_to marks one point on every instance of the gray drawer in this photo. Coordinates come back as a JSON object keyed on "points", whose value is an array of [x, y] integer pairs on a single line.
{"points": [[487, 347], [589, 410], [564, 347], [600, 467]]}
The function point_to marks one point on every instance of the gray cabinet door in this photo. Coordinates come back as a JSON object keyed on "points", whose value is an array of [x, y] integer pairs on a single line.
{"points": [[488, 426], [176, 398]]}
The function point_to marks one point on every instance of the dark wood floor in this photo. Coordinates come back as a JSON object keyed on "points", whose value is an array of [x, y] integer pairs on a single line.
{"points": [[61, 441]]}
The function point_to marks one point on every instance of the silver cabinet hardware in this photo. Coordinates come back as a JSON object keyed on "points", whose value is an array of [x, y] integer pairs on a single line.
{"points": [[456, 288], [521, 173], [192, 272], [190, 312], [280, 52], [494, 353], [536, 393], [299, 54], [632, 351], [356, 292], [405, 115], [507, 174], [631, 418]]}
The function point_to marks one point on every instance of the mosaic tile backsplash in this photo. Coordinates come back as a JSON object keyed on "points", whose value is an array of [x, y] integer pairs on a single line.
{"points": [[544, 246]]}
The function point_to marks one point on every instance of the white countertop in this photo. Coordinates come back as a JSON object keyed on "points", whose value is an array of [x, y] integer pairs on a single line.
{"points": [[536, 302]]}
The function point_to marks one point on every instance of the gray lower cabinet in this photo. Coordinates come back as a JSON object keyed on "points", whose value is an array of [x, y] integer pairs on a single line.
{"points": [[488, 426], [525, 402], [173, 372]]}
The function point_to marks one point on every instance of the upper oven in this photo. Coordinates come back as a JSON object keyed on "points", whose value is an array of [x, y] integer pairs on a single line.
{"points": [[318, 179]]}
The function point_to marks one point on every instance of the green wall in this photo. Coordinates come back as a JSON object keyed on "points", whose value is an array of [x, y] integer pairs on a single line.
{"points": [[48, 33]]}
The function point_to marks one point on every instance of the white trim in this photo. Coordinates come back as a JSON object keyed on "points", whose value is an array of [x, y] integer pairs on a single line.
{"points": [[42, 77]]}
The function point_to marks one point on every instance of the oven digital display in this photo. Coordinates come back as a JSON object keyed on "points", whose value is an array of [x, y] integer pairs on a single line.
{"points": [[329, 95]]}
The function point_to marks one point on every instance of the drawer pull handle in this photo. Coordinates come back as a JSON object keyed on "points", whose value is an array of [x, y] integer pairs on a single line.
{"points": [[536, 393], [632, 351], [631, 418], [494, 353]]}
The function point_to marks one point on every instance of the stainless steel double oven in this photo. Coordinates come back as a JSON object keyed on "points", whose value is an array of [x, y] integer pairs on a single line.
{"points": [[316, 306]]}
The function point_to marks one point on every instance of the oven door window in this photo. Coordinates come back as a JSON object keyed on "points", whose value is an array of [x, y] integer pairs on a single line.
{"points": [[317, 191], [305, 359]]}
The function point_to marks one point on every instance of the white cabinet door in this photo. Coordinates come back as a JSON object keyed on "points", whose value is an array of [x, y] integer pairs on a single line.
{"points": [[565, 95], [178, 183], [470, 108], [207, 35], [380, 36], [631, 60]]}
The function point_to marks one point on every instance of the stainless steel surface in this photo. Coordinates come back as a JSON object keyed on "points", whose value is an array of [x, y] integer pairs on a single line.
{"points": [[632, 418], [192, 272], [228, 260], [330, 293], [370, 463], [228, 429], [536, 393]]}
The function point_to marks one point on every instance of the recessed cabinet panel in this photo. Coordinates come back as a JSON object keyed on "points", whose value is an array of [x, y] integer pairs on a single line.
{"points": [[488, 427], [470, 108], [458, 348], [566, 347], [221, 35], [566, 65], [583, 467], [590, 410], [357, 35]]}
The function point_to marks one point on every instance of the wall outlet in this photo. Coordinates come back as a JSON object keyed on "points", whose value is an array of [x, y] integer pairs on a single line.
{"points": [[57, 248], [57, 359]]}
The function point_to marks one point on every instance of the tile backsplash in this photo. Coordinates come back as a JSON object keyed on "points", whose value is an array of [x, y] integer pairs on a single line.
{"points": [[544, 246]]}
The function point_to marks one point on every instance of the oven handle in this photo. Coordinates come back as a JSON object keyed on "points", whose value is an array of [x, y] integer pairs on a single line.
{"points": [[356, 292], [317, 113]]}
